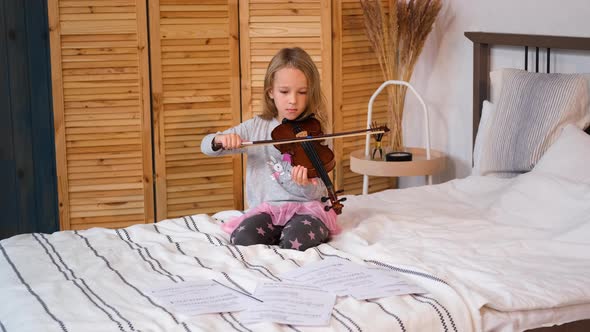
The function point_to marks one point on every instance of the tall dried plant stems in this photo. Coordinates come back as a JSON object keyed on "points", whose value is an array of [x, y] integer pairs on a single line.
{"points": [[397, 34]]}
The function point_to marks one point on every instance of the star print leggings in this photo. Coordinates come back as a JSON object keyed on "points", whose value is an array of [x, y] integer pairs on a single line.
{"points": [[299, 233]]}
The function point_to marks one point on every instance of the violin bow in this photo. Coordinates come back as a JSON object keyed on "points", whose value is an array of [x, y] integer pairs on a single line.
{"points": [[370, 131]]}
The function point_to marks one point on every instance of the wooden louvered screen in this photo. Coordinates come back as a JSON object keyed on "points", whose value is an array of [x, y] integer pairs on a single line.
{"points": [[195, 91], [266, 26], [205, 70], [99, 61], [356, 76]]}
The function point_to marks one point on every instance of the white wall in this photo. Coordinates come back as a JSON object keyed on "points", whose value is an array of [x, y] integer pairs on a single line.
{"points": [[443, 75]]}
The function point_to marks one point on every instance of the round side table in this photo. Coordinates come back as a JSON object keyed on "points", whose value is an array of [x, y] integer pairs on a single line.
{"points": [[420, 165]]}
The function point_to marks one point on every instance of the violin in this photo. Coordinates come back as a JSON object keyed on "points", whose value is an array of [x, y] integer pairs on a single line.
{"points": [[299, 156], [317, 158]]}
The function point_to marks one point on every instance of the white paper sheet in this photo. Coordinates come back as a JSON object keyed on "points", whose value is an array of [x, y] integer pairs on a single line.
{"points": [[290, 303], [195, 298], [385, 283], [346, 278]]}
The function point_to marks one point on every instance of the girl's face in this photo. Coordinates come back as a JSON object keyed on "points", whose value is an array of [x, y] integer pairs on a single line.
{"points": [[289, 93]]}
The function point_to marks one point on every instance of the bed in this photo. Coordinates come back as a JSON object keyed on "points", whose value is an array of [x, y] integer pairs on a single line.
{"points": [[493, 254]]}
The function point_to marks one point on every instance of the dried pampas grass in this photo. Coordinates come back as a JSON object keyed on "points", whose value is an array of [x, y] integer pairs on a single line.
{"points": [[397, 34]]}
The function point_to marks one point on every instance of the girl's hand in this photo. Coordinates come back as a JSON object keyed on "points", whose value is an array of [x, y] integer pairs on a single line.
{"points": [[228, 141], [299, 176]]}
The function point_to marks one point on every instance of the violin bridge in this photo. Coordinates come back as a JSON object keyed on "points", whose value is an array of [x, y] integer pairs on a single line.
{"points": [[302, 133]]}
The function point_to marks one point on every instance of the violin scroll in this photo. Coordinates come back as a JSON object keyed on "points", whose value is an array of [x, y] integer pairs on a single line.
{"points": [[336, 204]]}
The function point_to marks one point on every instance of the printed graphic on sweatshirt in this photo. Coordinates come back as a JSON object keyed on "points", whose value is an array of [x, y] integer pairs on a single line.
{"points": [[279, 168]]}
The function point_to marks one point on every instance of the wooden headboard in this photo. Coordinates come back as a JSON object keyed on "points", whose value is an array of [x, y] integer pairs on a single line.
{"points": [[482, 42]]}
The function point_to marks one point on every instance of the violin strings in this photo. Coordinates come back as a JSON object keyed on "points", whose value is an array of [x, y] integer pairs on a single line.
{"points": [[315, 159]]}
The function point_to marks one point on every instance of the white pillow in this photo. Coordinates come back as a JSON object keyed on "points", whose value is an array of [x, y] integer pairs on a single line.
{"points": [[496, 77], [482, 133], [568, 157], [496, 83], [531, 110]]}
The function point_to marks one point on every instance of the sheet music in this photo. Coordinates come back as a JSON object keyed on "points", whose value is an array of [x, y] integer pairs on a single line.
{"points": [[385, 283], [347, 278], [195, 298], [290, 303], [306, 297]]}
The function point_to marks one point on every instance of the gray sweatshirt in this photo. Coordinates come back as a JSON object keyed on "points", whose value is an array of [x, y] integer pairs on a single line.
{"points": [[268, 176]]}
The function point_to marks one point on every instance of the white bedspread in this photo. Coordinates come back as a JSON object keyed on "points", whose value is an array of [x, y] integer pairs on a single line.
{"points": [[474, 244], [510, 245]]}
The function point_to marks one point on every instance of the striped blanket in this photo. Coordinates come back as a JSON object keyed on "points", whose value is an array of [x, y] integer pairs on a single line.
{"points": [[98, 280], [472, 244]]}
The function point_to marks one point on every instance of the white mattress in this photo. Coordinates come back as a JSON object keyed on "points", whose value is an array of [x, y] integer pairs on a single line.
{"points": [[493, 254], [517, 250], [498, 321]]}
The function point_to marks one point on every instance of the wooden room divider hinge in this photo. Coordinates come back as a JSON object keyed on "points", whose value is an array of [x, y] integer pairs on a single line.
{"points": [[158, 164], [156, 108], [155, 199]]}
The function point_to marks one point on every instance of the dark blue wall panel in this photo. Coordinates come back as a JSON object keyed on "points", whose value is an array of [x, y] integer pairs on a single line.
{"points": [[42, 118], [28, 196], [8, 208]]}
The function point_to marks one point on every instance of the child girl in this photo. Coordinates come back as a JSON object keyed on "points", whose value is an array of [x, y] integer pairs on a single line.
{"points": [[284, 204]]}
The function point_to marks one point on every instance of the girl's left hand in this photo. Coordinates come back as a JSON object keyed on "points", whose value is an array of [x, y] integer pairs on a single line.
{"points": [[299, 176]]}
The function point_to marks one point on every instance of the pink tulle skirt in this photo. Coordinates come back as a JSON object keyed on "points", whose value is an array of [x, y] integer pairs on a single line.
{"points": [[281, 214]]}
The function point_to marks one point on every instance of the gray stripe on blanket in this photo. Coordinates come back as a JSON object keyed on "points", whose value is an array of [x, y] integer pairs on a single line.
{"points": [[274, 248], [106, 261], [57, 266], [30, 290], [177, 245], [139, 246], [2, 327], [293, 328], [229, 322], [451, 320], [84, 288], [227, 277], [440, 316], [406, 271], [258, 268], [209, 236], [399, 321], [255, 266], [221, 314], [341, 322], [237, 321], [358, 328]]}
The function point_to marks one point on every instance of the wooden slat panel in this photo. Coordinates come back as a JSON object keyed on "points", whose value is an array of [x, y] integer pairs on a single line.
{"points": [[101, 112], [356, 76], [195, 87], [265, 28], [268, 26]]}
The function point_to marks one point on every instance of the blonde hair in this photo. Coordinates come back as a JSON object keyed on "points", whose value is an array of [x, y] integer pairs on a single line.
{"points": [[299, 59]]}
